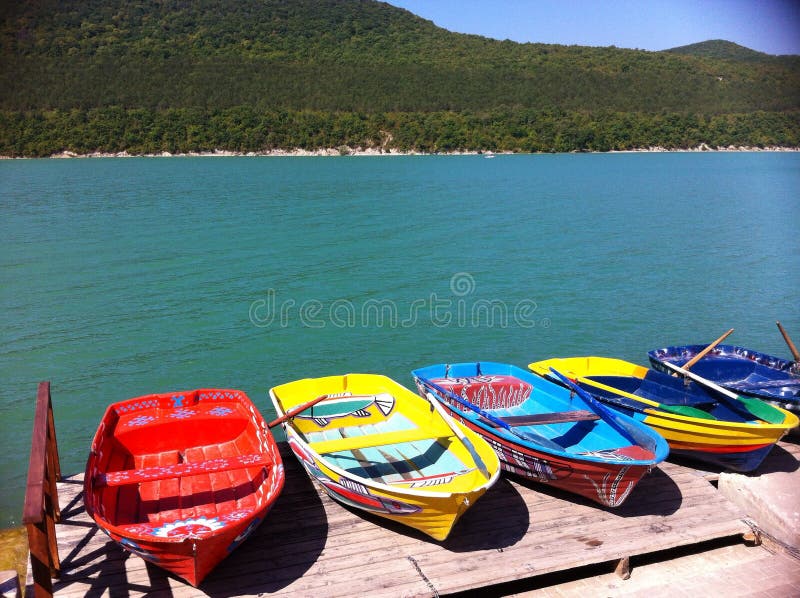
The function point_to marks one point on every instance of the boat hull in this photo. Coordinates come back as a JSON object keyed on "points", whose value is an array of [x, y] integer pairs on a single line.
{"points": [[375, 478], [732, 447], [605, 476], [609, 485], [196, 546], [168, 481], [739, 446], [434, 515]]}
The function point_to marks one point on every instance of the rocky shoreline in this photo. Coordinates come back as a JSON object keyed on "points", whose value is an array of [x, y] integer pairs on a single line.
{"points": [[347, 151]]}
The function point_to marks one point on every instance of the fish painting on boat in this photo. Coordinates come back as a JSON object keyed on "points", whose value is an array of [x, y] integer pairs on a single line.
{"points": [[347, 406], [543, 432], [374, 445], [182, 479]]}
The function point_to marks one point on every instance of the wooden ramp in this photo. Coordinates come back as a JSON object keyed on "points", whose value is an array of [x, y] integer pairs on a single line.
{"points": [[312, 546]]}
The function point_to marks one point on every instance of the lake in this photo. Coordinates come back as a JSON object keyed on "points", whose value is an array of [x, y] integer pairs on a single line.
{"points": [[125, 277]]}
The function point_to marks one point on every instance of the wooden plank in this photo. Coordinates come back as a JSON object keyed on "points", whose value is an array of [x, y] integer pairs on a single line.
{"points": [[545, 418], [32, 511], [41, 509], [150, 474], [309, 544], [386, 438]]}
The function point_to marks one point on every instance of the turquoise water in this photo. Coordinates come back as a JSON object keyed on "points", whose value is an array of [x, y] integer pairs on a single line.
{"points": [[123, 277]]}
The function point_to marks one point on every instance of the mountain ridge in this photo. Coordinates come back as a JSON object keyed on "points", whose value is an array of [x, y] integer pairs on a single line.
{"points": [[368, 58], [343, 46], [725, 50]]}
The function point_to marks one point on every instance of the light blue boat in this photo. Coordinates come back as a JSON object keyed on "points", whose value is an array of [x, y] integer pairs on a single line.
{"points": [[546, 432]]}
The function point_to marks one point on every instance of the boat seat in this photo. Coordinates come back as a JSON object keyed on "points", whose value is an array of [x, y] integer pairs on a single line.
{"points": [[386, 438], [178, 526], [488, 391], [557, 417], [421, 463], [393, 423], [151, 474]]}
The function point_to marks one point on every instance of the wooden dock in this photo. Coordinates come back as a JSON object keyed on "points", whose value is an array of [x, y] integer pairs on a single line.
{"points": [[312, 546]]}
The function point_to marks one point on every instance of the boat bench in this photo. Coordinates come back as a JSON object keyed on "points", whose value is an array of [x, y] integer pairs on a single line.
{"points": [[558, 417], [178, 470], [366, 441]]}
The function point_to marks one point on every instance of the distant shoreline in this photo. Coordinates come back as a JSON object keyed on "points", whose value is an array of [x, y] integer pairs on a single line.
{"points": [[330, 152]]}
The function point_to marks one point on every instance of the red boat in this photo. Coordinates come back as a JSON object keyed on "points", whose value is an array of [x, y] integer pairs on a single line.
{"points": [[181, 479]]}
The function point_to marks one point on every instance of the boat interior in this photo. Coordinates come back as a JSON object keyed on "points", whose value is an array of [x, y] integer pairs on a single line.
{"points": [[156, 469], [556, 422]]}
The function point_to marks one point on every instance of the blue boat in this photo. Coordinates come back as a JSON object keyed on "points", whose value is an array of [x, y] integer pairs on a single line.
{"points": [[741, 370], [545, 432]]}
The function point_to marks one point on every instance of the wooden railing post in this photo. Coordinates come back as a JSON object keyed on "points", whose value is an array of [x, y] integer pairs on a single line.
{"points": [[41, 510]]}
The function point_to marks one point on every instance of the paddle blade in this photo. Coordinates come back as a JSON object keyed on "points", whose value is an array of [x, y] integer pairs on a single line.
{"points": [[760, 409], [686, 411], [476, 457], [763, 411]]}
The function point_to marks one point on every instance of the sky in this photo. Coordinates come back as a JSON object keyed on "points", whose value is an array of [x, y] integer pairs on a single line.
{"points": [[770, 26]]}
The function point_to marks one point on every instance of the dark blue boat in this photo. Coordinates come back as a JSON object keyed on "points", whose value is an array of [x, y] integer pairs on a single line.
{"points": [[741, 370]]}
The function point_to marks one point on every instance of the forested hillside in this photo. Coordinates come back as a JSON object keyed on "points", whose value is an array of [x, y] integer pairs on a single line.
{"points": [[146, 76]]}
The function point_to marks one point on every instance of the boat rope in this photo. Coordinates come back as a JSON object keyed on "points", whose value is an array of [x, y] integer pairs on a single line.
{"points": [[423, 576]]}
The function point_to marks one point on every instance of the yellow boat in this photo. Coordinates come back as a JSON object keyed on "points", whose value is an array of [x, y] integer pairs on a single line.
{"points": [[374, 445], [734, 433]]}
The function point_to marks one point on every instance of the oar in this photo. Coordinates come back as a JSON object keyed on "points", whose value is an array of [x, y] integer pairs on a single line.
{"points": [[529, 436], [684, 410], [461, 436], [789, 342], [292, 412], [756, 407], [702, 353]]}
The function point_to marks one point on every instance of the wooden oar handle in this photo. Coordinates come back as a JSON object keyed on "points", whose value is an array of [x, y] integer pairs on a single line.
{"points": [[789, 342], [702, 353], [292, 412]]}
